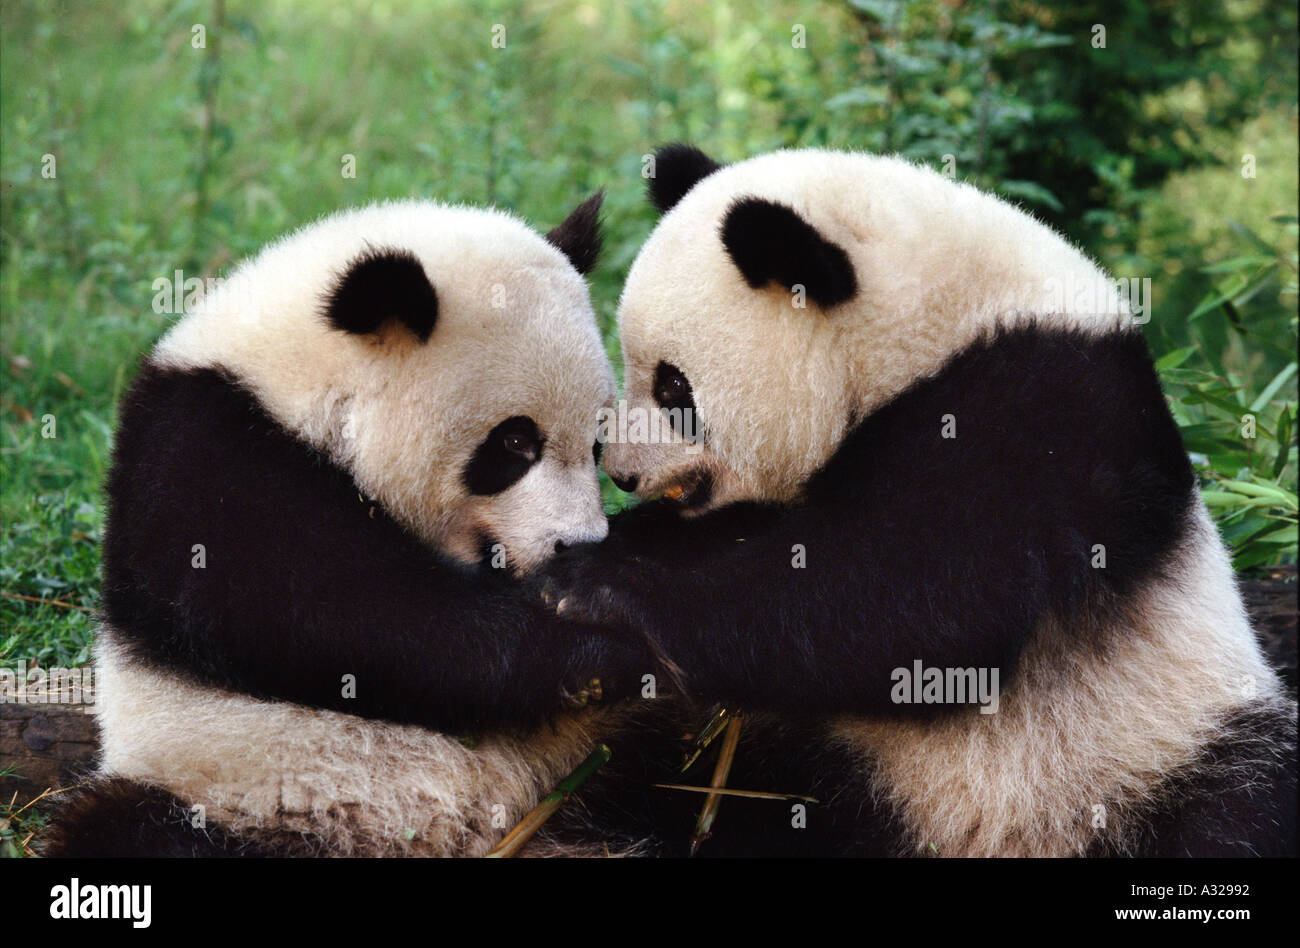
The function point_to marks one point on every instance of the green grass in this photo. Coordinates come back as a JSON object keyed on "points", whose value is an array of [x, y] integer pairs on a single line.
{"points": [[119, 96], [19, 823]]}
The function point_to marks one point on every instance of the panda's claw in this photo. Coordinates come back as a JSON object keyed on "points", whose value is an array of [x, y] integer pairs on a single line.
{"points": [[576, 699]]}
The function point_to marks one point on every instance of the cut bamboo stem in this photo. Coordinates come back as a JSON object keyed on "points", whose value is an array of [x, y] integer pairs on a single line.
{"points": [[753, 794], [530, 824], [712, 728], [709, 812]]}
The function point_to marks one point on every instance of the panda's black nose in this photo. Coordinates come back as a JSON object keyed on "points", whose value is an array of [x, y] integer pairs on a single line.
{"points": [[625, 483]]}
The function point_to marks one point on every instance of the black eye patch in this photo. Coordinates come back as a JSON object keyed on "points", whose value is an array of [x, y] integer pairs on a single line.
{"points": [[672, 392], [505, 455]]}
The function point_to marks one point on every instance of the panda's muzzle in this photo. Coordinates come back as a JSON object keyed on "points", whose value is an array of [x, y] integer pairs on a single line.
{"points": [[692, 492]]}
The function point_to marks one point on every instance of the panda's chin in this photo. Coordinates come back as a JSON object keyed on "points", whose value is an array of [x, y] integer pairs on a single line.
{"points": [[691, 494]]}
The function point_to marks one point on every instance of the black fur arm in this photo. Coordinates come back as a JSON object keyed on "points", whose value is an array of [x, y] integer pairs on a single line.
{"points": [[235, 552], [917, 546]]}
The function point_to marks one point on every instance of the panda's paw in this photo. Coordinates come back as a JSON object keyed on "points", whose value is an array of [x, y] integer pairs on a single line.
{"points": [[598, 606], [613, 598], [585, 590]]}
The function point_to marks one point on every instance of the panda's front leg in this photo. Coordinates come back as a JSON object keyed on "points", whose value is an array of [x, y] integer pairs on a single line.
{"points": [[620, 592]]}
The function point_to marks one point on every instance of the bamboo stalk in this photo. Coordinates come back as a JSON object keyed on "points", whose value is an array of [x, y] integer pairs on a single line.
{"points": [[530, 824], [753, 794], [709, 812], [712, 728], [47, 792]]}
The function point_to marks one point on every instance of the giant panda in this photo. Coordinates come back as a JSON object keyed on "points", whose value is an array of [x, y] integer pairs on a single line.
{"points": [[310, 645], [928, 435]]}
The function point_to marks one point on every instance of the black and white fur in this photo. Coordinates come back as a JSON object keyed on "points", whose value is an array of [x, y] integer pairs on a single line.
{"points": [[313, 475], [830, 317]]}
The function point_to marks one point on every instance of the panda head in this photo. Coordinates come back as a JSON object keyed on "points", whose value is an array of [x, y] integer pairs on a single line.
{"points": [[781, 298], [447, 358]]}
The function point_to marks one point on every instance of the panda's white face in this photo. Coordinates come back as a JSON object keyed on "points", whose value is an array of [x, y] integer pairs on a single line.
{"points": [[758, 430], [457, 376], [841, 280], [482, 436]]}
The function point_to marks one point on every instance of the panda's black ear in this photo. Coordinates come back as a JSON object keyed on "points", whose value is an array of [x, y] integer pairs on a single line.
{"points": [[769, 242], [579, 236], [677, 169], [381, 285]]}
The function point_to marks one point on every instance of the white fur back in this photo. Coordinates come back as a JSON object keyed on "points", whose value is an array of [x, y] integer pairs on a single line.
{"points": [[363, 787], [1076, 730]]}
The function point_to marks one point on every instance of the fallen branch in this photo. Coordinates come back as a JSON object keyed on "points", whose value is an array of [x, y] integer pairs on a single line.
{"points": [[45, 602]]}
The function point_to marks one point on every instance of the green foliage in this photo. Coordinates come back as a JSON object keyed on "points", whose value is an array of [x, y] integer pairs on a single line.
{"points": [[18, 824], [50, 551], [170, 156], [1240, 433]]}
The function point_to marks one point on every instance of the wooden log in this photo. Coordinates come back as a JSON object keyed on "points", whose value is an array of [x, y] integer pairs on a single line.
{"points": [[49, 745], [1272, 604], [45, 744]]}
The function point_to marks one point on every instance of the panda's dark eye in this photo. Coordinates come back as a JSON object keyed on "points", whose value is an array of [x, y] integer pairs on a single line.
{"points": [[595, 452], [504, 456], [673, 394], [671, 390], [522, 445]]}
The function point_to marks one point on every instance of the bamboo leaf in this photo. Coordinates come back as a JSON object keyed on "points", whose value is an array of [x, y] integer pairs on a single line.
{"points": [[1283, 444], [1271, 389], [1238, 263], [1171, 360], [1266, 491]]}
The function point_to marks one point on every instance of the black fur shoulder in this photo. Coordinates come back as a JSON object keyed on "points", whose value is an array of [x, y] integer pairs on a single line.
{"points": [[237, 554]]}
